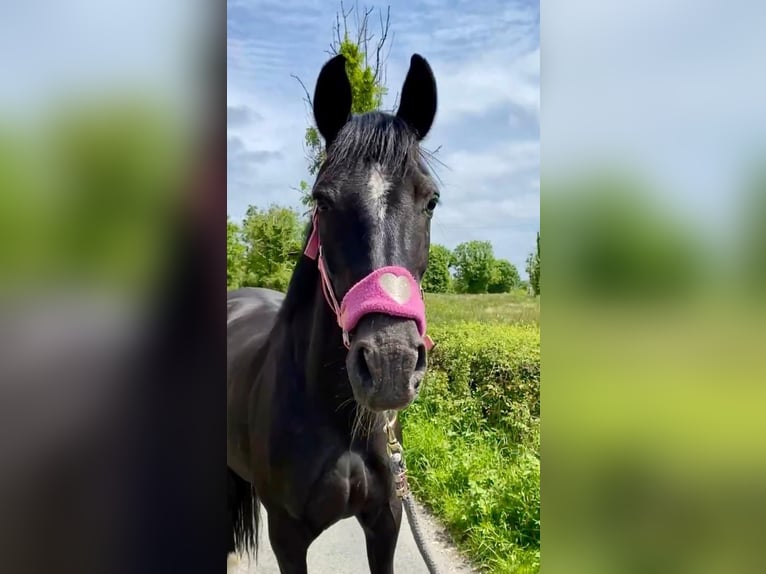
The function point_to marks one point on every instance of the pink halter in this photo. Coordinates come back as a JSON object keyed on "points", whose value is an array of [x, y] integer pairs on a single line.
{"points": [[391, 290]]}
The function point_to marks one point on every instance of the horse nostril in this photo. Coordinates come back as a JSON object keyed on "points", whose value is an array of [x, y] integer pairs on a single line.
{"points": [[362, 354], [420, 366]]}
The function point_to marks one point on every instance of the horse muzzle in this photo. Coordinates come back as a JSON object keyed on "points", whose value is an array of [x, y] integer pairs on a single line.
{"points": [[386, 362]]}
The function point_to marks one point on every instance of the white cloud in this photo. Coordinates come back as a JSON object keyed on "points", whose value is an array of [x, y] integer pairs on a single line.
{"points": [[504, 160], [490, 81]]}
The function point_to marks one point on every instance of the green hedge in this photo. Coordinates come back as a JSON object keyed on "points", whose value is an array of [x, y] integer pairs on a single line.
{"points": [[494, 372], [472, 441]]}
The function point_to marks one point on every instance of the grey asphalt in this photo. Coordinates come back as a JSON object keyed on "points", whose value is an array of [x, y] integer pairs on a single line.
{"points": [[341, 550]]}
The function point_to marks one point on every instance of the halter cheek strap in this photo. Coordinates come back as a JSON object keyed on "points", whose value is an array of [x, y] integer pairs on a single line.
{"points": [[390, 290]]}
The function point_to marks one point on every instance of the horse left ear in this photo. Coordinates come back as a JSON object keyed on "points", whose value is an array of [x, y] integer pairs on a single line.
{"points": [[417, 104], [332, 99]]}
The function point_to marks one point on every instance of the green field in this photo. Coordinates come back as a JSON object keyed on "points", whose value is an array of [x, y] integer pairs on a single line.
{"points": [[472, 438], [506, 308]]}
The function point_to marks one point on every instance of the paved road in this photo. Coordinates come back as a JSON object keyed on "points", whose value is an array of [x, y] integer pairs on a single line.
{"points": [[341, 550]]}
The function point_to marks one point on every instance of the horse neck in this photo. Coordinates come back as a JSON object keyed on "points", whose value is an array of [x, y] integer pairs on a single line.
{"points": [[314, 339]]}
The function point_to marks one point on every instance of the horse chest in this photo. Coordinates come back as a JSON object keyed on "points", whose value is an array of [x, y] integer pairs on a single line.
{"points": [[345, 488], [322, 482]]}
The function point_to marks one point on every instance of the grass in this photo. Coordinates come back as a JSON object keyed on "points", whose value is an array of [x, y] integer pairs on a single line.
{"points": [[481, 478], [486, 495], [506, 308]]}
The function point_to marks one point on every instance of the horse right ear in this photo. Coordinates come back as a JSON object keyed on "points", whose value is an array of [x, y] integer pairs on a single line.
{"points": [[332, 99]]}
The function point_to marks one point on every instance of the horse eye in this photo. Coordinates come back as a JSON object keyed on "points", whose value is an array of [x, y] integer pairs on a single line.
{"points": [[322, 203], [431, 205]]}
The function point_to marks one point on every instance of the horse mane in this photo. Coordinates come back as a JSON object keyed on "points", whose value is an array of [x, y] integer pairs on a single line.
{"points": [[302, 287]]}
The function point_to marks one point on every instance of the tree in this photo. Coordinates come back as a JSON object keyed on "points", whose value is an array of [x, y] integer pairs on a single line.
{"points": [[437, 277], [273, 240], [533, 268], [235, 255], [474, 263], [367, 78], [504, 278]]}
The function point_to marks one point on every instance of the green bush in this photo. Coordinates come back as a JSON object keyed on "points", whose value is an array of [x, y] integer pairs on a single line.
{"points": [[493, 370], [472, 441]]}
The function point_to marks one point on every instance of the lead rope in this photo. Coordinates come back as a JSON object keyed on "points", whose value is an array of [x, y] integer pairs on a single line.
{"points": [[402, 489]]}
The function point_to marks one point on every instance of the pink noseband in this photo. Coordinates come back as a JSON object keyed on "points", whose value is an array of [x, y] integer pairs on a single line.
{"points": [[390, 290]]}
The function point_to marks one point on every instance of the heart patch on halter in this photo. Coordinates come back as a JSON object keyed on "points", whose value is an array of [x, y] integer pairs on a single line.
{"points": [[398, 288]]}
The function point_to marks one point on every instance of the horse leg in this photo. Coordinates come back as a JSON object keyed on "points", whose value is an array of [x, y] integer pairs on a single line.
{"points": [[290, 540], [381, 531]]}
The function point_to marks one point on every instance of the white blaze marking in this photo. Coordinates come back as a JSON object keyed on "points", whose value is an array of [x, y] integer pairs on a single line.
{"points": [[378, 186]]}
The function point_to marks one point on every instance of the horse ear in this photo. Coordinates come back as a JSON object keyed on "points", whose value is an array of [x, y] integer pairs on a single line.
{"points": [[417, 104], [332, 98]]}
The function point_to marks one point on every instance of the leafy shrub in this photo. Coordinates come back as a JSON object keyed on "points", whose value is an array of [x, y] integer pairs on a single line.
{"points": [[472, 441], [492, 370]]}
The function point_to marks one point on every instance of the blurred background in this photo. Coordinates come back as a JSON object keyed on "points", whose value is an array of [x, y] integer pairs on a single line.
{"points": [[653, 210], [112, 191]]}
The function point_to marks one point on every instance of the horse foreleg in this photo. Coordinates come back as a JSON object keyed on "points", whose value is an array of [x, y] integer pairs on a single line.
{"points": [[381, 531], [290, 540]]}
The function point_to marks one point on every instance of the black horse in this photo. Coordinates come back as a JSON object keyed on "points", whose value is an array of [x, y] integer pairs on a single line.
{"points": [[307, 397]]}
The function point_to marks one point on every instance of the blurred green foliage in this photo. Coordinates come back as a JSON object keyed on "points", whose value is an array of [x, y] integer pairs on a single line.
{"points": [[615, 242], [653, 382], [750, 260], [88, 194]]}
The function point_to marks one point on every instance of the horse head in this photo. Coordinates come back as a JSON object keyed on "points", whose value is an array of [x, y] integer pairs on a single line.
{"points": [[374, 199]]}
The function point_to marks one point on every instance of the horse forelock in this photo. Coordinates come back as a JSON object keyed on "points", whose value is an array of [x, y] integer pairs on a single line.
{"points": [[375, 138]]}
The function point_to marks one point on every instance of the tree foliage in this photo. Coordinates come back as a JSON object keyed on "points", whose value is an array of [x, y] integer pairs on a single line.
{"points": [[88, 194], [474, 263], [437, 278], [272, 238], [533, 267], [477, 270], [235, 255], [504, 277]]}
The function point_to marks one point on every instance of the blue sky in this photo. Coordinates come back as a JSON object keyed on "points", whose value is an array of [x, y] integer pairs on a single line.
{"points": [[486, 59]]}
